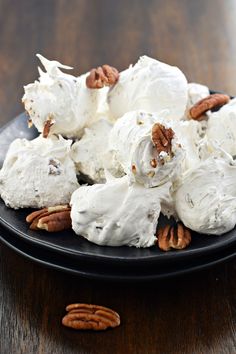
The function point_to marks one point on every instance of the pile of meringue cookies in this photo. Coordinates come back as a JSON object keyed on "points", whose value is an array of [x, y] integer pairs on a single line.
{"points": [[145, 140]]}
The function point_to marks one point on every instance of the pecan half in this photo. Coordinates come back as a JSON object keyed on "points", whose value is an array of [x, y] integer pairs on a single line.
{"points": [[87, 316], [177, 237], [162, 137], [47, 126], [212, 101], [52, 219], [102, 76]]}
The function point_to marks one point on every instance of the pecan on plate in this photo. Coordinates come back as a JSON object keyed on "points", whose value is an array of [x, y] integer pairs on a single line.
{"points": [[87, 316], [51, 219], [47, 125], [212, 101], [162, 137], [177, 237], [102, 76]]}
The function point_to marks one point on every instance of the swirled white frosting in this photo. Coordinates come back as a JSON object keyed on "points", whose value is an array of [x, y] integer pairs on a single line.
{"points": [[152, 86], [116, 213], [132, 146], [63, 98], [38, 173], [221, 127], [90, 151], [206, 200]]}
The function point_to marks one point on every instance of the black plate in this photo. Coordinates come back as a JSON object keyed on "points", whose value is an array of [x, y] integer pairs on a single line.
{"points": [[69, 244], [63, 263]]}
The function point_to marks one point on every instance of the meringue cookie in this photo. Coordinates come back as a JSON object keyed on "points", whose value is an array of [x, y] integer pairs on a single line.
{"points": [[38, 173], [116, 213], [132, 147], [62, 98], [196, 92], [206, 200], [90, 151], [221, 128], [191, 136], [152, 86]]}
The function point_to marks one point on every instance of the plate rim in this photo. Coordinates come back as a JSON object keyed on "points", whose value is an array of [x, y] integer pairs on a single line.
{"points": [[162, 257], [114, 277]]}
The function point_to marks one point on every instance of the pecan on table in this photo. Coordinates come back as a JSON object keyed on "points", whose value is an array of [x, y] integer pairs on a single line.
{"points": [[102, 76], [210, 102], [176, 237], [51, 219], [162, 137], [87, 316]]}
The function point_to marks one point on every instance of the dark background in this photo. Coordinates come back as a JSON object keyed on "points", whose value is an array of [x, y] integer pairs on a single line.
{"points": [[192, 314], [198, 36]]}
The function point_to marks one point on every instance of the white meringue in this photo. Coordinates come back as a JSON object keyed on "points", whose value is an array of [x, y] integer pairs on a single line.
{"points": [[196, 92], [62, 98], [206, 200], [38, 173], [116, 213], [195, 182], [133, 149], [221, 127], [90, 151], [152, 86], [190, 135]]}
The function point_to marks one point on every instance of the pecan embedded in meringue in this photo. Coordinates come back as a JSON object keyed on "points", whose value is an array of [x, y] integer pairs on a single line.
{"points": [[210, 102], [105, 75], [47, 126], [162, 137]]}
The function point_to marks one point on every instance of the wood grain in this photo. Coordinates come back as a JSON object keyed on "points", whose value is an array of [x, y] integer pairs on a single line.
{"points": [[194, 314]]}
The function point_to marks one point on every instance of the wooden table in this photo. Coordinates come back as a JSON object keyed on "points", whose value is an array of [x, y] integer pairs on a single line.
{"points": [[194, 314]]}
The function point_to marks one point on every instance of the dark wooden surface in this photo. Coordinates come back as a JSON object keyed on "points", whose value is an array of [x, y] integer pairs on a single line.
{"points": [[195, 314]]}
